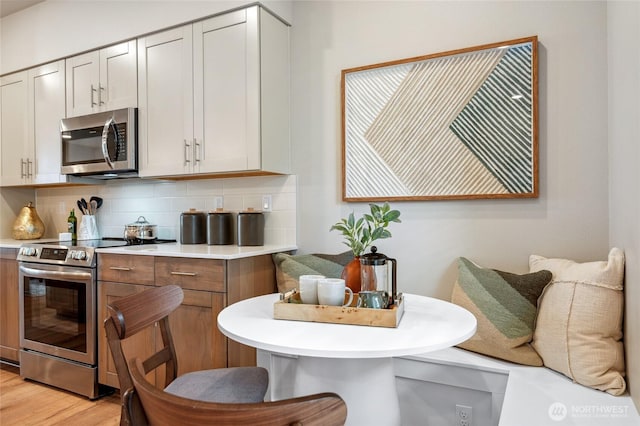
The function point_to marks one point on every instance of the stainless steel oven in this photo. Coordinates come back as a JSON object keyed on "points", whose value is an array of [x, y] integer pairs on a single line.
{"points": [[58, 320], [58, 313]]}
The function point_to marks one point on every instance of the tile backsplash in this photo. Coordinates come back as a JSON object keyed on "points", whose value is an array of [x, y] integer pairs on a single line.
{"points": [[162, 202]]}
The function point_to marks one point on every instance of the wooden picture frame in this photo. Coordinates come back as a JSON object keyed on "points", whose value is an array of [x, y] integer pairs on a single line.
{"points": [[461, 124]]}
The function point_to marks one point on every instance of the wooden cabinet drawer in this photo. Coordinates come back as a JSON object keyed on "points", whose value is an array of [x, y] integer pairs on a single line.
{"points": [[192, 274], [126, 269]]}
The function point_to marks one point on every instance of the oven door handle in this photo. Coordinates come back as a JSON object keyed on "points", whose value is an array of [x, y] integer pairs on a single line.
{"points": [[55, 275]]}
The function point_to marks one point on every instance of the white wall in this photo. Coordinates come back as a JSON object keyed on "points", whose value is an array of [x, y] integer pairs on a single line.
{"points": [[624, 155], [569, 219]]}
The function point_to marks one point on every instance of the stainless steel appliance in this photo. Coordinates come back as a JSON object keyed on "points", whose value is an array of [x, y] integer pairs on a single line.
{"points": [[100, 145], [58, 313]]}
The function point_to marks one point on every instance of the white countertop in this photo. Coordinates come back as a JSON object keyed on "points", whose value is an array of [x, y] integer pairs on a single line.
{"points": [[11, 243], [204, 251]]}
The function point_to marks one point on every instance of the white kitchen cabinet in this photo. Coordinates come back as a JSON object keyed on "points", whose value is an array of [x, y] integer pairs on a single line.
{"points": [[165, 110], [46, 105], [16, 155], [214, 97], [102, 80], [33, 103]]}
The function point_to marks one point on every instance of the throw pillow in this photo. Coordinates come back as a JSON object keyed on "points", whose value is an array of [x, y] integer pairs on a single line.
{"points": [[290, 267], [505, 306], [579, 329]]}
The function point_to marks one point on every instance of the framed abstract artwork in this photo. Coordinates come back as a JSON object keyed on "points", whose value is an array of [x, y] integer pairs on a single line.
{"points": [[461, 124]]}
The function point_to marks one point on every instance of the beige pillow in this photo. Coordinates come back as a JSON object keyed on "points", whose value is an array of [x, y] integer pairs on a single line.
{"points": [[579, 326]]}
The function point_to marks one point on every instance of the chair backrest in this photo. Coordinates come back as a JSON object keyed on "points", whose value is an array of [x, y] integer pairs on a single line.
{"points": [[163, 408], [130, 315]]}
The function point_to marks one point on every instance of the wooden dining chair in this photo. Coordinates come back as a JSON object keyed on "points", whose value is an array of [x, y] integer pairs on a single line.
{"points": [[165, 409], [132, 314]]}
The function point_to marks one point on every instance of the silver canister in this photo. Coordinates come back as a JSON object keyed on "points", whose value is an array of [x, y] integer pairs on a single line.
{"points": [[220, 226], [193, 227], [250, 228]]}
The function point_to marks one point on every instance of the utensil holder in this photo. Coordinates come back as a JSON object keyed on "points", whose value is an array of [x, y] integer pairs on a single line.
{"points": [[88, 229]]}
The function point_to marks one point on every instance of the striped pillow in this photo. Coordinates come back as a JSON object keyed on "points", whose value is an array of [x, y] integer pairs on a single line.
{"points": [[505, 306]]}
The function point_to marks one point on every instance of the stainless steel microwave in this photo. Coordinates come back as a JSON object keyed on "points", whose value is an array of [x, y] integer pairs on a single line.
{"points": [[103, 145]]}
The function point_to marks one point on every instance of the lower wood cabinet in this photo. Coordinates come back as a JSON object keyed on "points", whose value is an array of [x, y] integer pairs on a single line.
{"points": [[208, 284], [9, 303]]}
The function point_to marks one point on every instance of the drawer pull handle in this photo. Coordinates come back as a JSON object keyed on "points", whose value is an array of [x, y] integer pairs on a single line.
{"points": [[187, 274], [120, 268]]}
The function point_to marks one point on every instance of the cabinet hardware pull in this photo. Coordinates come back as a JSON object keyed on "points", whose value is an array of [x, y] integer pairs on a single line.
{"points": [[120, 268], [93, 89], [186, 152], [196, 150], [186, 274], [100, 89], [29, 168], [22, 174]]}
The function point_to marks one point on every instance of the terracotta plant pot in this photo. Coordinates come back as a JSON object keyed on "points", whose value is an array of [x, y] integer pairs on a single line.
{"points": [[351, 275]]}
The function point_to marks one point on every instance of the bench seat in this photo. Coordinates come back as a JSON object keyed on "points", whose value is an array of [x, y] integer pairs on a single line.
{"points": [[500, 393]]}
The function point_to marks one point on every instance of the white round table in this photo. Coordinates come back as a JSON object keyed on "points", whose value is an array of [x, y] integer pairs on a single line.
{"points": [[353, 361]]}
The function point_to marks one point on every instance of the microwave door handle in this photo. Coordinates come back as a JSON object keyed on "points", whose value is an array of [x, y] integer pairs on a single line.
{"points": [[110, 124]]}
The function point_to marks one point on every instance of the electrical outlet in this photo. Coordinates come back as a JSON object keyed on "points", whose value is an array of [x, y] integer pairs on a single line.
{"points": [[463, 415], [266, 203], [218, 202]]}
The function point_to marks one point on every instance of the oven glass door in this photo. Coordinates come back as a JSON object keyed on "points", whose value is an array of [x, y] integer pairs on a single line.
{"points": [[58, 311]]}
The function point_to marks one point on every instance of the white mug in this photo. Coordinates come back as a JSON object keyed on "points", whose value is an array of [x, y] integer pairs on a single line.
{"points": [[331, 292], [308, 285]]}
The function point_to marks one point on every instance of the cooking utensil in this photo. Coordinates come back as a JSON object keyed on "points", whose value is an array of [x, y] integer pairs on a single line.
{"points": [[84, 205], [140, 230], [79, 204], [94, 206], [98, 200]]}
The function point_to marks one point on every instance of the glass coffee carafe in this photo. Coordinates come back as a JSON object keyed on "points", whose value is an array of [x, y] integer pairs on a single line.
{"points": [[375, 269]]}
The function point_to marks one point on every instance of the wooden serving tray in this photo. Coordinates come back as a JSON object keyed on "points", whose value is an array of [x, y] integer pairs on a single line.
{"points": [[291, 308]]}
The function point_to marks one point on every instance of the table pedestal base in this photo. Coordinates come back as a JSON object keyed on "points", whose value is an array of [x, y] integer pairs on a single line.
{"points": [[368, 386]]}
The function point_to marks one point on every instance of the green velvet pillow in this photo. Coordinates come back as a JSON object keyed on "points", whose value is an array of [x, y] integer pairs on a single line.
{"points": [[290, 267], [505, 306]]}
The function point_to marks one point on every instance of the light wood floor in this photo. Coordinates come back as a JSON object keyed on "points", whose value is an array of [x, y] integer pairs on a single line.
{"points": [[25, 403]]}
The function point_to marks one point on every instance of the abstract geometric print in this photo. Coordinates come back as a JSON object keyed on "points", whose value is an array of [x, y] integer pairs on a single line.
{"points": [[452, 126]]}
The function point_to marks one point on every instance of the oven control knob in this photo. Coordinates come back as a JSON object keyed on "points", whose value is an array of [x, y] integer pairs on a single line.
{"points": [[79, 255], [28, 251]]}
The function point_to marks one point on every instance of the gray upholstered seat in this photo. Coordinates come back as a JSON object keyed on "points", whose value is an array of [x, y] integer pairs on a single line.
{"points": [[222, 385]]}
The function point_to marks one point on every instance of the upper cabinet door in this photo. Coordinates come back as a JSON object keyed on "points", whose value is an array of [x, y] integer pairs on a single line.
{"points": [[165, 110], [102, 80], [118, 76], [14, 150], [83, 81], [227, 93], [46, 109]]}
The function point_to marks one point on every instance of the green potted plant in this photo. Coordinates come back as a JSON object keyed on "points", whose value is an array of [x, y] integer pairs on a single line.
{"points": [[361, 233]]}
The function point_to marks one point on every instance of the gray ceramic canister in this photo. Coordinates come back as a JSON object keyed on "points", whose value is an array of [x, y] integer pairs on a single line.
{"points": [[220, 228], [193, 227], [250, 228]]}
